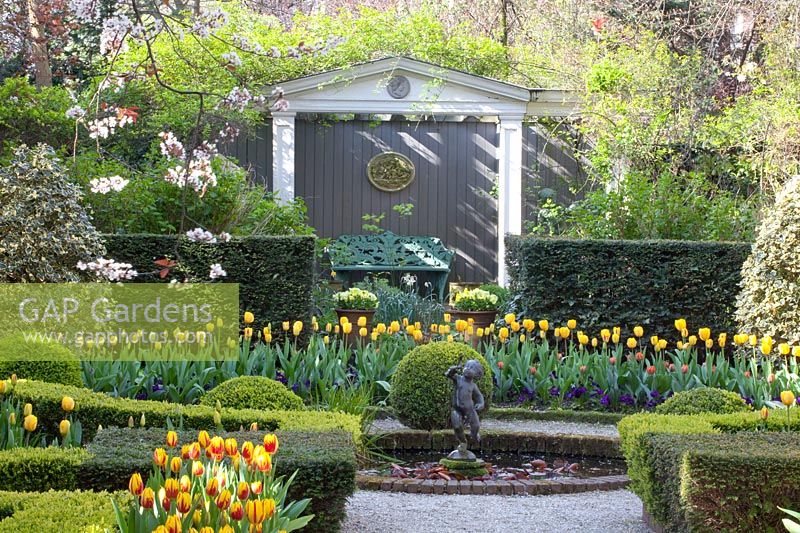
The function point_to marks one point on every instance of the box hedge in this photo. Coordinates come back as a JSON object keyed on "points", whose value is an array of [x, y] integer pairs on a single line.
{"points": [[660, 450], [626, 283], [57, 511], [93, 409], [275, 274], [41, 469], [325, 463]]}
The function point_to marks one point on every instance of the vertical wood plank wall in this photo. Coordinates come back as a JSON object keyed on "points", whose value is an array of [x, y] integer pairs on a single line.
{"points": [[456, 170]]}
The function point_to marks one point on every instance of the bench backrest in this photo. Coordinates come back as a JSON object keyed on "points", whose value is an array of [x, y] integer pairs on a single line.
{"points": [[390, 250]]}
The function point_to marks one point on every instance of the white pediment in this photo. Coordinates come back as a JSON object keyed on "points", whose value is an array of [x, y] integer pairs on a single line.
{"points": [[431, 89]]}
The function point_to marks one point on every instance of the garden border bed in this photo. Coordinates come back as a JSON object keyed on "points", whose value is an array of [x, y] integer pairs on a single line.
{"points": [[497, 487]]}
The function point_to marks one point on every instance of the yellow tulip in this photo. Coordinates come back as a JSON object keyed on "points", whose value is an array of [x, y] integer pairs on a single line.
{"points": [[446, 317], [515, 326], [722, 339], [381, 328], [67, 404], [347, 328], [63, 427], [248, 317], [326, 339], [395, 326], [503, 333], [638, 331], [796, 351], [529, 324], [764, 413], [680, 324], [709, 344], [362, 321], [594, 342], [615, 338], [753, 340], [654, 340], [572, 324], [704, 334], [297, 327], [248, 333], [479, 333], [510, 317], [29, 423], [662, 344], [787, 398], [362, 332], [784, 348], [605, 334], [616, 330], [544, 325], [27, 409], [285, 325], [583, 339], [631, 343], [692, 340]]}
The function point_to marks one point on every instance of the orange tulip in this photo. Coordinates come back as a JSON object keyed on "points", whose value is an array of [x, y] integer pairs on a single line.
{"points": [[183, 503], [224, 499], [787, 398], [193, 452], [148, 498], [186, 483], [243, 490], [172, 439], [270, 443], [256, 487], [135, 484], [247, 451], [160, 457], [231, 447], [216, 446], [175, 464], [212, 487], [172, 488], [197, 469], [263, 462], [237, 511], [259, 510], [203, 439]]}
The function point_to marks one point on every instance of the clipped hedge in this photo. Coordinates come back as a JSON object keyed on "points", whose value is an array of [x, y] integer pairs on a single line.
{"points": [[253, 392], [703, 400], [421, 394], [53, 363], [40, 469], [656, 448], [275, 274], [94, 408], [57, 511], [626, 283], [325, 463]]}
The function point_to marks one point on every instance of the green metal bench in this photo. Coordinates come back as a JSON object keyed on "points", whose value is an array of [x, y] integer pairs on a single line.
{"points": [[388, 252]]}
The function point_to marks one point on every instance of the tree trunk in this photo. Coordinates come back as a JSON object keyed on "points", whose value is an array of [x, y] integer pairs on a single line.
{"points": [[39, 55]]}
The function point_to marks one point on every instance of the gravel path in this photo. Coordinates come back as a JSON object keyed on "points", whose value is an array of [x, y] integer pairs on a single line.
{"points": [[616, 511], [533, 426]]}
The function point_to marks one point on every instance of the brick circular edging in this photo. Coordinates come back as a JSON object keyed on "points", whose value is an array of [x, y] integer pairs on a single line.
{"points": [[505, 488]]}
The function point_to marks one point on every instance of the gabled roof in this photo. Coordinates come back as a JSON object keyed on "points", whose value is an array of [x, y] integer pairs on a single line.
{"points": [[392, 65]]}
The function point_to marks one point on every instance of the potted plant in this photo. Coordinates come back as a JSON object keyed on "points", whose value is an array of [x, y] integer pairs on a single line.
{"points": [[477, 304], [355, 303]]}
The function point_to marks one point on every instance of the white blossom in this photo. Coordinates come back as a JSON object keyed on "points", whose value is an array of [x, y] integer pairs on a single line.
{"points": [[109, 269], [105, 185], [217, 271], [201, 235], [224, 236], [200, 174], [237, 99], [205, 24], [231, 59], [85, 10], [228, 133], [112, 38], [170, 146], [75, 112]]}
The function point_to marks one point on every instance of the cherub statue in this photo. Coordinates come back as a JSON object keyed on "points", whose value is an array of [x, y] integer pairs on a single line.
{"points": [[467, 402]]}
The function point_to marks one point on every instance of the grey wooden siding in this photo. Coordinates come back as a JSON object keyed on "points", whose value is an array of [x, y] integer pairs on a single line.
{"points": [[456, 165], [254, 152], [548, 162], [456, 168]]}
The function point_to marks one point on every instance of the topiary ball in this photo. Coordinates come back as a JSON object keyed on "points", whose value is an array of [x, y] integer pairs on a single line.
{"points": [[421, 394], [253, 392], [703, 400], [53, 362]]}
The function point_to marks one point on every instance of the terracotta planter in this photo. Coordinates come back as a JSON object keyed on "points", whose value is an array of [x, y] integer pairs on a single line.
{"points": [[480, 319], [354, 314]]}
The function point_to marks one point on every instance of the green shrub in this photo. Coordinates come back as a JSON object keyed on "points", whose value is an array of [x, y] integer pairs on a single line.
{"points": [[31, 115], [727, 482], [421, 394], [46, 230], [93, 409], [652, 465], [253, 392], [325, 463], [769, 303], [54, 363], [703, 400], [604, 284], [71, 511], [275, 274], [40, 469], [503, 294]]}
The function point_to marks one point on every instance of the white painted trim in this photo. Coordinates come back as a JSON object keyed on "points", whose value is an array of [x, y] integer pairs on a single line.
{"points": [[393, 64], [509, 205], [283, 139], [403, 107]]}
